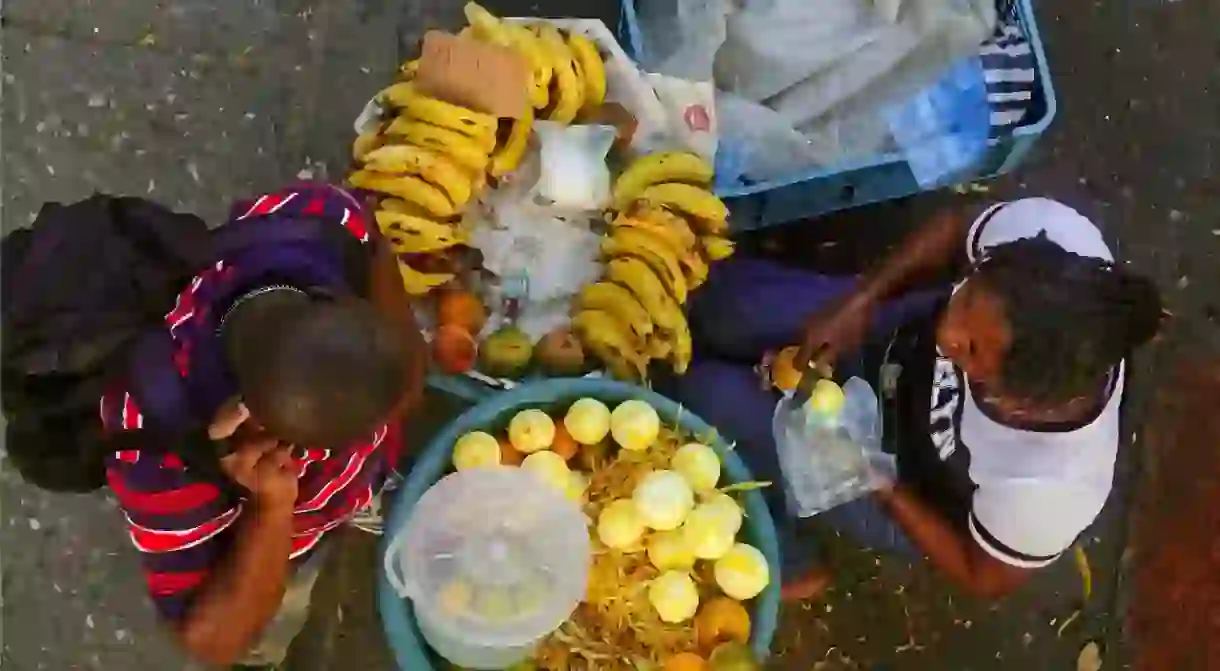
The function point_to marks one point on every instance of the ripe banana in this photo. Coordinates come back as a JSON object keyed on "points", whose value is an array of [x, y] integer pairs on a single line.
{"points": [[658, 168], [365, 143], [709, 212], [403, 207], [508, 156], [591, 65], [634, 242], [406, 97], [680, 340], [570, 90], [408, 69], [648, 290], [407, 187], [434, 167], [716, 247], [695, 267], [486, 27], [409, 234], [662, 223], [417, 283], [605, 337], [466, 151], [618, 302]]}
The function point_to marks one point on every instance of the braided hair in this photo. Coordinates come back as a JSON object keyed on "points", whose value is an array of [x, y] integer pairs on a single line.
{"points": [[1072, 318]]}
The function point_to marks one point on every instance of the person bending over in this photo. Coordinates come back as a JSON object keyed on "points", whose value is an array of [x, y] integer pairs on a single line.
{"points": [[300, 359], [1001, 394]]}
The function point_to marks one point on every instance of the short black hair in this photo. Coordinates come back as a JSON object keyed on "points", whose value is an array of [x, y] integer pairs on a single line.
{"points": [[315, 372], [1072, 318]]}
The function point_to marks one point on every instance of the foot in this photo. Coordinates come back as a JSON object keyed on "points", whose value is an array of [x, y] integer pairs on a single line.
{"points": [[811, 584]]}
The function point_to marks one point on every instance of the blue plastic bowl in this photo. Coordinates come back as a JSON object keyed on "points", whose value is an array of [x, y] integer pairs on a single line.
{"points": [[397, 614]]}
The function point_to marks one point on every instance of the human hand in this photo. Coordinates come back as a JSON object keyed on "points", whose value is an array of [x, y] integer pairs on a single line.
{"points": [[835, 330], [264, 467]]}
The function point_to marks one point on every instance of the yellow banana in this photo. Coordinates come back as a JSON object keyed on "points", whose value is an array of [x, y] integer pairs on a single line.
{"points": [[408, 69], [570, 92], [432, 166], [403, 207], [658, 168], [716, 247], [486, 27], [508, 156], [657, 347], [709, 213], [409, 234], [662, 223], [647, 289], [619, 303], [605, 337], [679, 339], [407, 187], [417, 283], [466, 151], [405, 96], [365, 143], [695, 267], [586, 55], [634, 242]]}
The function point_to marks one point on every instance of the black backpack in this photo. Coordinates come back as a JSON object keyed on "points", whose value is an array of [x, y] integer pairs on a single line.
{"points": [[87, 284]]}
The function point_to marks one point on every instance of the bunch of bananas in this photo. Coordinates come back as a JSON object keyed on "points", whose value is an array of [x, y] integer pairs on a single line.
{"points": [[665, 227]]}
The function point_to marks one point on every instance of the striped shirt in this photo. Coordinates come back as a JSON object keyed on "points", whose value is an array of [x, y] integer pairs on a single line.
{"points": [[182, 524]]}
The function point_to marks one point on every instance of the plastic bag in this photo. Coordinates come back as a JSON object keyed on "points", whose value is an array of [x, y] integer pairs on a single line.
{"points": [[682, 36], [574, 174], [828, 463], [756, 143]]}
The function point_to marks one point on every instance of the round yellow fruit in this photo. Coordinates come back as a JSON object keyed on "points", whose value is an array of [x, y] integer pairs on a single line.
{"points": [[550, 467], [531, 430], [726, 508], [455, 597], [476, 450], [742, 572], [588, 421], [707, 533], [674, 596], [635, 425], [668, 551], [619, 525], [699, 464], [577, 484], [827, 398], [663, 499]]}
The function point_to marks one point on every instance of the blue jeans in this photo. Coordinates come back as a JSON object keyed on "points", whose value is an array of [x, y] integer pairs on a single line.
{"points": [[751, 306]]}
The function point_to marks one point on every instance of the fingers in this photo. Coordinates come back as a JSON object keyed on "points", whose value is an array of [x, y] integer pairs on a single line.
{"points": [[247, 455], [231, 415]]}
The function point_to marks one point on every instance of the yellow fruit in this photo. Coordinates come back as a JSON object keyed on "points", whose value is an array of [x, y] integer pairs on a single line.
{"points": [[725, 509], [476, 450], [664, 224], [784, 374], [679, 341], [742, 573], [588, 421], [365, 143], [550, 467], [658, 168], [433, 166], [619, 526], [653, 251], [408, 69], [674, 596], [541, 70], [407, 187], [578, 483], [568, 87], [722, 620], [668, 551], [707, 533], [708, 212], [733, 656], [716, 247], [417, 283], [476, 125], [564, 445], [466, 151], [685, 661], [415, 235], [648, 290], [592, 67], [663, 500], [699, 464], [531, 430], [455, 597], [635, 425], [508, 156], [827, 398], [618, 302], [610, 342]]}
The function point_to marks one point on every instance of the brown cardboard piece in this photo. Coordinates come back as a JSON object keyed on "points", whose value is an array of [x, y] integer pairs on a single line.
{"points": [[483, 77]]}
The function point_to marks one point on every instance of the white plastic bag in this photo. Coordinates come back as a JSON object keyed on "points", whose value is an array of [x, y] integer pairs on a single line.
{"points": [[574, 175], [826, 464]]}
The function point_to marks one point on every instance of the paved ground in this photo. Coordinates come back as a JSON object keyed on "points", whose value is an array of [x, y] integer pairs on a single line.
{"points": [[193, 102]]}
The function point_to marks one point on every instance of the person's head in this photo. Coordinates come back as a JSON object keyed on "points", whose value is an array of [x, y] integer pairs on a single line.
{"points": [[315, 372], [1042, 326]]}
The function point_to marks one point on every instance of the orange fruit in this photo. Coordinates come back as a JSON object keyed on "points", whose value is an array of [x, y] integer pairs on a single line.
{"points": [[509, 455], [459, 307], [722, 620], [784, 374], [454, 349], [564, 444], [685, 661]]}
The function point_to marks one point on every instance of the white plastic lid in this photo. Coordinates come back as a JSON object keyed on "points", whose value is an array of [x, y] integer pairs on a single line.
{"points": [[494, 557]]}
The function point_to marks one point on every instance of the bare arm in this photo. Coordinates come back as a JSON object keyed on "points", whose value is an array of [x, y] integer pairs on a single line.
{"points": [[245, 591], [954, 554], [390, 298]]}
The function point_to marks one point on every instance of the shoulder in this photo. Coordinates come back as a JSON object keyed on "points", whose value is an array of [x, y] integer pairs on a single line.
{"points": [[1029, 217]]}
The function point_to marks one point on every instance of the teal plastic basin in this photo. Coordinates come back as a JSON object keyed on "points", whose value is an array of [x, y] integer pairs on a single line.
{"points": [[397, 614]]}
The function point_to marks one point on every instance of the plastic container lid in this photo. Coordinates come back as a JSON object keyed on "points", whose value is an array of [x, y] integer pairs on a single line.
{"points": [[492, 557]]}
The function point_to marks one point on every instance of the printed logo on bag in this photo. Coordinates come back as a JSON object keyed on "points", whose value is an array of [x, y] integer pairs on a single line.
{"points": [[697, 118]]}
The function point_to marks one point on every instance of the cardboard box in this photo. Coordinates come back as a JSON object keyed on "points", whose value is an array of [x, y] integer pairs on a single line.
{"points": [[483, 77]]}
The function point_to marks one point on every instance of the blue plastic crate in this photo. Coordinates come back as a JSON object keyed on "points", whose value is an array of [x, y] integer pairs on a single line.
{"points": [[884, 177]]}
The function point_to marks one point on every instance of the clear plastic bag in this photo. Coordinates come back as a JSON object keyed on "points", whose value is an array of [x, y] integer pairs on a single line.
{"points": [[829, 462]]}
